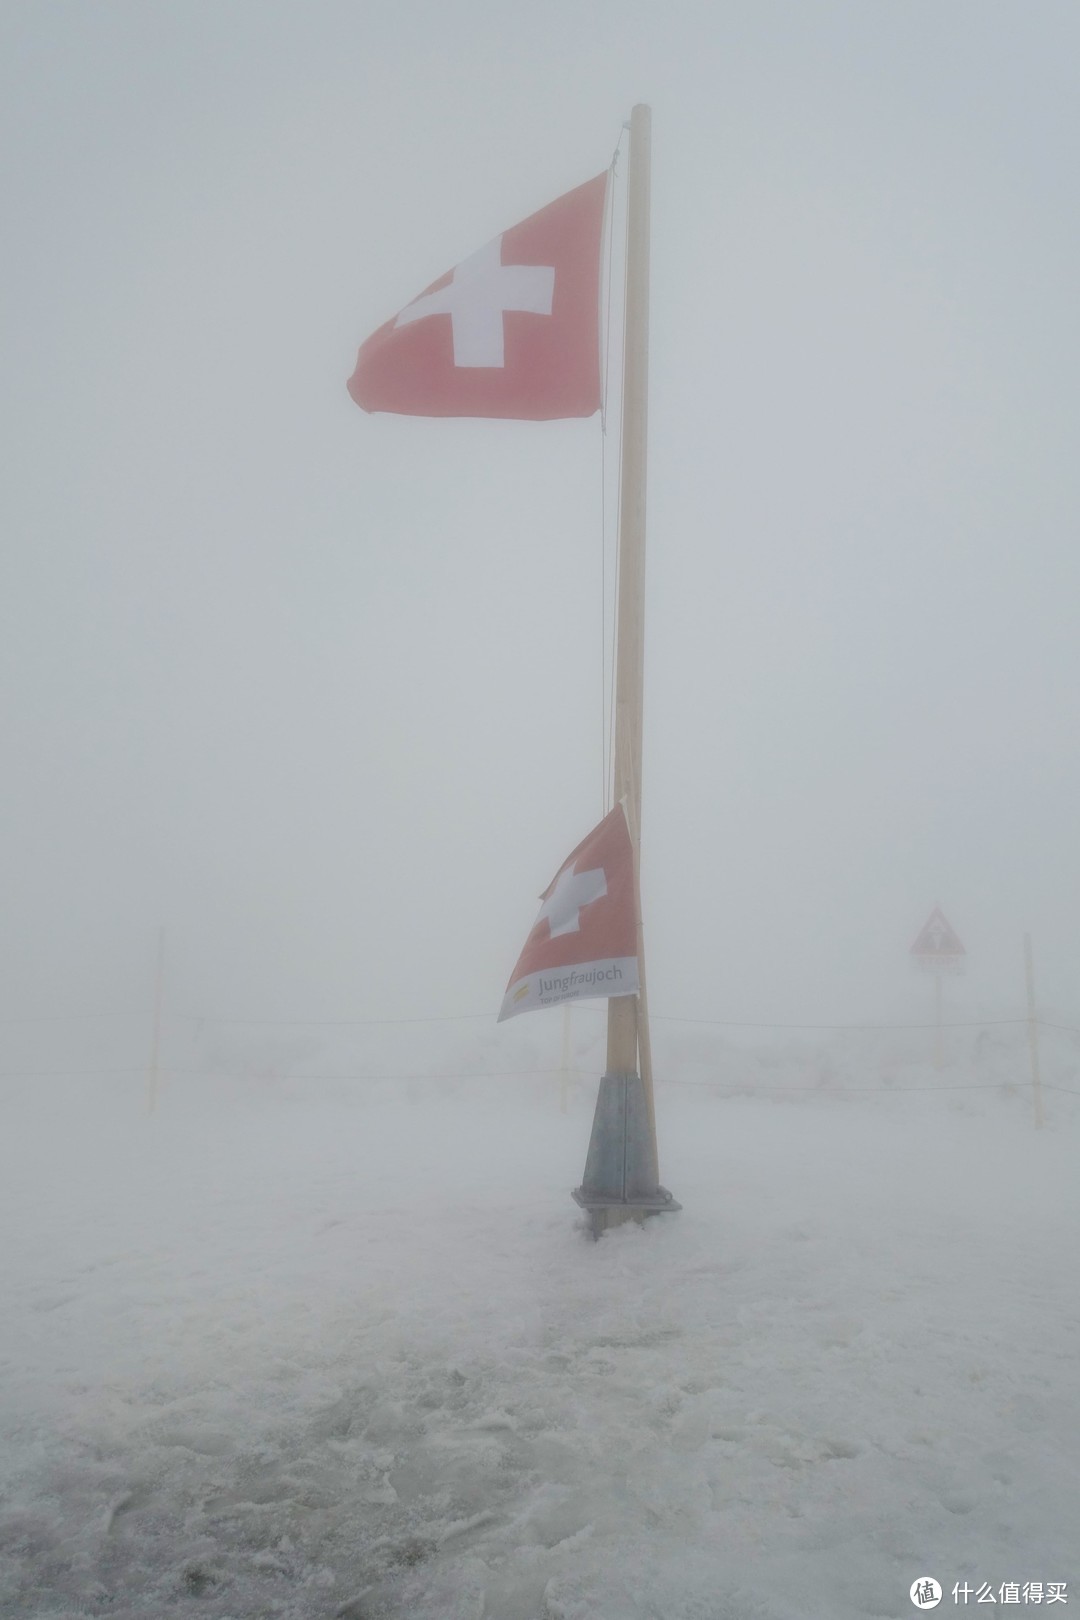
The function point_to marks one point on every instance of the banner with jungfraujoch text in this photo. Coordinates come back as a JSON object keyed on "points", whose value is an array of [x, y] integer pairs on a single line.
{"points": [[583, 944]]}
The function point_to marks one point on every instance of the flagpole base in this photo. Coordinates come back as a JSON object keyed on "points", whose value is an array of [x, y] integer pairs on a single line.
{"points": [[620, 1181], [603, 1215]]}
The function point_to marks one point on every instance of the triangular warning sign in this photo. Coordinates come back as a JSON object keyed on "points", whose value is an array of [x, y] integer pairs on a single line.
{"points": [[938, 937]]}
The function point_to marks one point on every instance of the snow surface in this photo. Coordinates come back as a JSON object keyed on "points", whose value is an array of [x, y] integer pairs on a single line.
{"points": [[346, 1351]]}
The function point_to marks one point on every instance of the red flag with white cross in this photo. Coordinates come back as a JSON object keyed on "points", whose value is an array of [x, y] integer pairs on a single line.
{"points": [[512, 331], [584, 942]]}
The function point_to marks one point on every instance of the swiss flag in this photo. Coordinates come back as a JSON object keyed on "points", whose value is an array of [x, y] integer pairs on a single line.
{"points": [[512, 331], [584, 942]]}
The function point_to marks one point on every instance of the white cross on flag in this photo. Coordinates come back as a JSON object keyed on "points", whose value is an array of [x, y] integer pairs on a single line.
{"points": [[511, 331], [584, 942]]}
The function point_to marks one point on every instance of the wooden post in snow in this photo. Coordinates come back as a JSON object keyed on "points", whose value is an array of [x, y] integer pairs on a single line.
{"points": [[155, 1048], [1033, 1033]]}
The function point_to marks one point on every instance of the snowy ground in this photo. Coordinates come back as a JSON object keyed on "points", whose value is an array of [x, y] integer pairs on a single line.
{"points": [[335, 1352]]}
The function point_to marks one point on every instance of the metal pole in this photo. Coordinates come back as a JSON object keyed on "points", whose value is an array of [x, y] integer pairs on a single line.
{"points": [[627, 1027], [939, 1037], [1033, 1033], [564, 1072], [155, 1050]]}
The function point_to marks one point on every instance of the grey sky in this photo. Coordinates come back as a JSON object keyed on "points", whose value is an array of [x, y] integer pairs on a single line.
{"points": [[321, 692]]}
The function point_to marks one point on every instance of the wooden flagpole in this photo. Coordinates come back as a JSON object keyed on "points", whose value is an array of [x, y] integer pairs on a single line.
{"points": [[628, 1030]]}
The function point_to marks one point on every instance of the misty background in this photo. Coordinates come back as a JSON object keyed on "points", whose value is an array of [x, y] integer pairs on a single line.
{"points": [[321, 693]]}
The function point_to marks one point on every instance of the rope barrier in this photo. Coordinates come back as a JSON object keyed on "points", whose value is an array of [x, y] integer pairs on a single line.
{"points": [[719, 1085], [70, 1018], [335, 1023], [265, 1074], [880, 1091], [488, 1017], [726, 1087], [725, 1023]]}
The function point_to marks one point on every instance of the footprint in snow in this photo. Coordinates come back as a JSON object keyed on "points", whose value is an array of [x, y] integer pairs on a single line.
{"points": [[846, 1449]]}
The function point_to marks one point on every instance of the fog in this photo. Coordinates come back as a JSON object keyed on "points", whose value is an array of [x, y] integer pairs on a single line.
{"points": [[322, 696], [320, 693]]}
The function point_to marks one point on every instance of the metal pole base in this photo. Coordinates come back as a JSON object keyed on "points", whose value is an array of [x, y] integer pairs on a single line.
{"points": [[620, 1182], [602, 1217]]}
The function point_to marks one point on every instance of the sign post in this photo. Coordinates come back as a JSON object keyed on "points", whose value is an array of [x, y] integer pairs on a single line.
{"points": [[938, 950]]}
